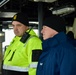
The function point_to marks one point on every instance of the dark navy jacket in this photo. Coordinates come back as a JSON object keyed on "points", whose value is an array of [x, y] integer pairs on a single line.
{"points": [[72, 41], [58, 57]]}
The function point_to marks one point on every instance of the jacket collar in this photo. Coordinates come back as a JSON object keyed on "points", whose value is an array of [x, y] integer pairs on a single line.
{"points": [[56, 40]]}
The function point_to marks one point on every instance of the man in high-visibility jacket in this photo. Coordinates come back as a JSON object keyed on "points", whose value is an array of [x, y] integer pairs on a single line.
{"points": [[21, 56]]}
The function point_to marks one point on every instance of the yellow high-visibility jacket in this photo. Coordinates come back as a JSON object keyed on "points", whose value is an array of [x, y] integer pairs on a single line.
{"points": [[23, 57]]}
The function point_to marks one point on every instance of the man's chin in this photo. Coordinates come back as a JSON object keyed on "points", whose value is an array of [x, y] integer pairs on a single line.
{"points": [[18, 35]]}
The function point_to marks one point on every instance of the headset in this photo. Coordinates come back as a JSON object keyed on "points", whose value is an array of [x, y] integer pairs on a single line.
{"points": [[25, 36]]}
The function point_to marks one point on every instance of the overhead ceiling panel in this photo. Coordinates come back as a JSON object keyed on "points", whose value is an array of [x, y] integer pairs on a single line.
{"points": [[31, 7]]}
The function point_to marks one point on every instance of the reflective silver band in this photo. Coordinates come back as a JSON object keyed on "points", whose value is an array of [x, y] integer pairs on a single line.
{"points": [[16, 68], [33, 65]]}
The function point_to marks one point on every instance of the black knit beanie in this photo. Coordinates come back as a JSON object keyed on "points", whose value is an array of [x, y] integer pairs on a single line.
{"points": [[55, 22], [22, 18]]}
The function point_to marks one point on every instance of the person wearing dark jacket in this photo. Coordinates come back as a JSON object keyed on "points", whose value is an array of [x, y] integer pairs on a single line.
{"points": [[70, 36], [58, 55]]}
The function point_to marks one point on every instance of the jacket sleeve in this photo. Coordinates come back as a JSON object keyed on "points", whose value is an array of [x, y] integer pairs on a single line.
{"points": [[34, 48]]}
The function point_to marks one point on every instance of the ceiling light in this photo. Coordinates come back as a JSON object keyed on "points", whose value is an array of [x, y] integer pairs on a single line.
{"points": [[63, 10]]}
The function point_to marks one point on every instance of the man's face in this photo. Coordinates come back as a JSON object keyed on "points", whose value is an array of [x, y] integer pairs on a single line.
{"points": [[19, 28], [48, 32]]}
